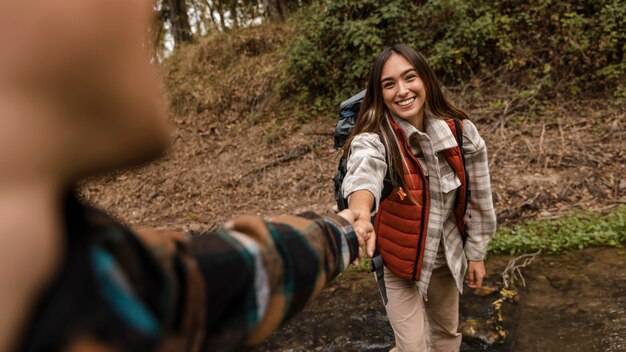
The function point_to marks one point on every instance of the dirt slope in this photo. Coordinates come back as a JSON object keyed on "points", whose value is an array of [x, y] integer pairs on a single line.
{"points": [[236, 150]]}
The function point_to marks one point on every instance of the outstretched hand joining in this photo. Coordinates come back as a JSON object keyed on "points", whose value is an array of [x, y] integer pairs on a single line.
{"points": [[363, 229]]}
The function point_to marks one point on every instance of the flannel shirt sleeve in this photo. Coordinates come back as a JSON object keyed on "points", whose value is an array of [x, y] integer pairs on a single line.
{"points": [[241, 282], [480, 217]]}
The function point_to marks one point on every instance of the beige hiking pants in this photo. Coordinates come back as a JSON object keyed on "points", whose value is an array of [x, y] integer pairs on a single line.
{"points": [[418, 323]]}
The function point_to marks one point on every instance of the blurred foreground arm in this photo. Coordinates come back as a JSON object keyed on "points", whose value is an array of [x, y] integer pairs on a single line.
{"points": [[241, 282]]}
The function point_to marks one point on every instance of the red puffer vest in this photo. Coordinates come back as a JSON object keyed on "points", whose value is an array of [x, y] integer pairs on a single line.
{"points": [[401, 224]]}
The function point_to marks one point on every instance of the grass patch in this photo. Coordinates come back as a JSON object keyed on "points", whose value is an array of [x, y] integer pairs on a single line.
{"points": [[576, 231]]}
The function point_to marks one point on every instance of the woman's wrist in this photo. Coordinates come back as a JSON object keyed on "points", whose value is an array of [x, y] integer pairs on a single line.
{"points": [[364, 214]]}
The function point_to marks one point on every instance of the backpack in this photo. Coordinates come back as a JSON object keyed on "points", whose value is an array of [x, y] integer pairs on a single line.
{"points": [[348, 112]]}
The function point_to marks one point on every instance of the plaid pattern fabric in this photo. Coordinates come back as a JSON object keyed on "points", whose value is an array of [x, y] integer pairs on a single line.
{"points": [[211, 291], [367, 168], [278, 266]]}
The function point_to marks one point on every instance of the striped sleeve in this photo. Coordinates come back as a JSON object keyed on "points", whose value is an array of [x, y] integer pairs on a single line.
{"points": [[257, 273]]}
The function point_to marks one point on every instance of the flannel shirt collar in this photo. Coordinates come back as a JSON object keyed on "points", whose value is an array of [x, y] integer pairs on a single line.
{"points": [[437, 130]]}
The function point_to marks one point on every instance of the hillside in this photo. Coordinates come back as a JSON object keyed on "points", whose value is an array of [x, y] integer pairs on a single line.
{"points": [[240, 146]]}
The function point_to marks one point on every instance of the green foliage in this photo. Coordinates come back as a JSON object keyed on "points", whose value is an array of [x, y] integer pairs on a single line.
{"points": [[569, 48], [572, 232]]}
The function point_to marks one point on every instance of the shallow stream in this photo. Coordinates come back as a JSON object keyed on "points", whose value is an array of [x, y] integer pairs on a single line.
{"points": [[574, 302]]}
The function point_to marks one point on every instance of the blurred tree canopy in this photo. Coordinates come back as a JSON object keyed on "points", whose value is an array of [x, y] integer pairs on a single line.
{"points": [[180, 21]]}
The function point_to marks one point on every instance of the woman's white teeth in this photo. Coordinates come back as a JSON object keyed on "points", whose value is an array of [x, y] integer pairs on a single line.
{"points": [[406, 102]]}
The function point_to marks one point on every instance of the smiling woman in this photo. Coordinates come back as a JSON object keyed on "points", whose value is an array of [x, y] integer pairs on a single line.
{"points": [[410, 137]]}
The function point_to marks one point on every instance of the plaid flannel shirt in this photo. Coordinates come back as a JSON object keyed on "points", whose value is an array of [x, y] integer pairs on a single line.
{"points": [[213, 291], [367, 168]]}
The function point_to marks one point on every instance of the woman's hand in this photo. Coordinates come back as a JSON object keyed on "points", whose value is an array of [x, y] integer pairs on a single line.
{"points": [[367, 236], [361, 202], [363, 228], [351, 216], [475, 273]]}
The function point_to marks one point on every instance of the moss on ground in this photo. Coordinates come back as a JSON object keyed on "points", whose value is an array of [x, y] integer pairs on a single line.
{"points": [[575, 231]]}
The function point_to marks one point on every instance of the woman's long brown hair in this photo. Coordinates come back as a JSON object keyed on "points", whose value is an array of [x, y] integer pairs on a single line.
{"points": [[373, 112]]}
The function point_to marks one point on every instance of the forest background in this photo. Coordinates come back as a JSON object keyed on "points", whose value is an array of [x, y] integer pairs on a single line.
{"points": [[254, 87]]}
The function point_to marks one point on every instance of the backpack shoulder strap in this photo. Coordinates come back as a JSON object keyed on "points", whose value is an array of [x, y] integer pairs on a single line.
{"points": [[456, 126]]}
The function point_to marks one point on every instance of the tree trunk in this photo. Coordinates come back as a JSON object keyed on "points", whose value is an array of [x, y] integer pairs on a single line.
{"points": [[233, 13], [181, 29]]}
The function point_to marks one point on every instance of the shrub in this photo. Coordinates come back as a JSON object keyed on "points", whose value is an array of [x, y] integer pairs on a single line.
{"points": [[572, 48]]}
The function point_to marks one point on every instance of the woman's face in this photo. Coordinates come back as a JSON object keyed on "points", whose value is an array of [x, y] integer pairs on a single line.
{"points": [[403, 90]]}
